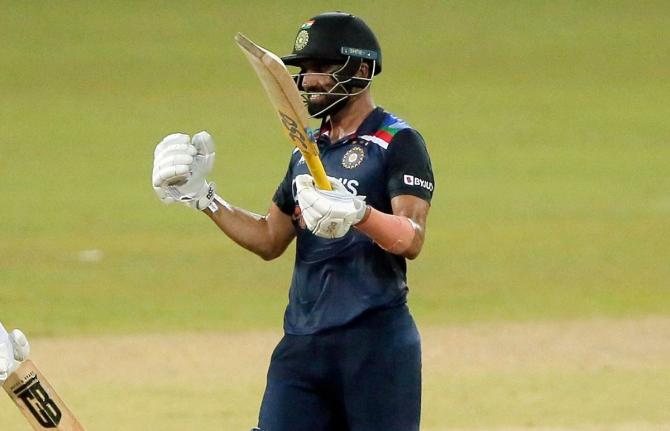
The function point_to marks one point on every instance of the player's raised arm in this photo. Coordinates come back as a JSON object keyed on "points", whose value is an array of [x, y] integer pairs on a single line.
{"points": [[267, 236], [181, 164]]}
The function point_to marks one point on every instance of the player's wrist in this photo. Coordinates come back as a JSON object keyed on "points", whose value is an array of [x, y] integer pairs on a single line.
{"points": [[204, 198], [217, 203], [363, 214]]}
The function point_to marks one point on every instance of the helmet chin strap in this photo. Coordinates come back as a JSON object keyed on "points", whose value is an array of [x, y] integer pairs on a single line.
{"points": [[345, 79]]}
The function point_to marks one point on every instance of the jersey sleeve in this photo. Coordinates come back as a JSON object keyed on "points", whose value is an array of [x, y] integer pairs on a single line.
{"points": [[283, 196], [408, 169]]}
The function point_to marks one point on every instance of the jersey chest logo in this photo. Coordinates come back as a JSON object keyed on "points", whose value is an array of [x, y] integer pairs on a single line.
{"points": [[353, 157]]}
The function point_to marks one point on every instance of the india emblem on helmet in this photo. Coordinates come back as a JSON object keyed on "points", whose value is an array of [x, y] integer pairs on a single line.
{"points": [[301, 40]]}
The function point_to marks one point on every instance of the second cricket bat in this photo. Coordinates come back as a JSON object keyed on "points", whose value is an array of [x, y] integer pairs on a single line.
{"points": [[286, 100], [38, 401]]}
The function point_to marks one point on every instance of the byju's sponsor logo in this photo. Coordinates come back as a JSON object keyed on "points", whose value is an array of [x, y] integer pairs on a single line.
{"points": [[411, 180]]}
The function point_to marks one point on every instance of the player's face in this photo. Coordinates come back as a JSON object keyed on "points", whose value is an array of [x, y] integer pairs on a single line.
{"points": [[317, 78]]}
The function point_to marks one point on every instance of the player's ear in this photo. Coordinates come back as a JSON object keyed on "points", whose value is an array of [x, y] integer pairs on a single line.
{"points": [[363, 70]]}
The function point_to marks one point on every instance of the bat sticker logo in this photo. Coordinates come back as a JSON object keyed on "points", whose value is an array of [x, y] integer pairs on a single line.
{"points": [[294, 132], [38, 402]]}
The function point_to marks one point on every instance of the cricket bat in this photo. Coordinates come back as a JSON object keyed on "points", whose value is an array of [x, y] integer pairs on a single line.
{"points": [[286, 100], [38, 401]]}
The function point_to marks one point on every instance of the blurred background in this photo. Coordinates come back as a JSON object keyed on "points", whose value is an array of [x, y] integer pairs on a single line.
{"points": [[548, 244]]}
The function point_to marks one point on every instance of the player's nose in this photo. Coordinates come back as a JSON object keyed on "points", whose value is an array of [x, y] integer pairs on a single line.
{"points": [[310, 81]]}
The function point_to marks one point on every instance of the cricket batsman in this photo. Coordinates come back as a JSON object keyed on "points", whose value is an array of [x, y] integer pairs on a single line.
{"points": [[350, 357]]}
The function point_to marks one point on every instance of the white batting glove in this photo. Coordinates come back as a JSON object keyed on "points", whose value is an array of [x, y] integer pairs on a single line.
{"points": [[180, 166], [328, 213], [14, 348]]}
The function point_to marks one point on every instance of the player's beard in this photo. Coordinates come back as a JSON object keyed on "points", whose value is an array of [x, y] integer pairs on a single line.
{"points": [[320, 106]]}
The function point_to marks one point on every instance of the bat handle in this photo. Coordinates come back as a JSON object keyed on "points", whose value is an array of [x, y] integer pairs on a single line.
{"points": [[318, 173]]}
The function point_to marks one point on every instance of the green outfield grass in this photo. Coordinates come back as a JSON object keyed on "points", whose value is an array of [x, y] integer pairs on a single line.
{"points": [[548, 124]]}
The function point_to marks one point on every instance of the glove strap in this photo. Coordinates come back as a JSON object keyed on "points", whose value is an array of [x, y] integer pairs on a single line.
{"points": [[217, 203], [206, 199]]}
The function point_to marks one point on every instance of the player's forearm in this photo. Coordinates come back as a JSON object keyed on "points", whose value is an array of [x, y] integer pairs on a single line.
{"points": [[251, 231], [396, 234]]}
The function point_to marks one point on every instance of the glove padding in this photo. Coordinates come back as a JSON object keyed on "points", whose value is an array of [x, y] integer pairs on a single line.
{"points": [[14, 348], [328, 213], [180, 166]]}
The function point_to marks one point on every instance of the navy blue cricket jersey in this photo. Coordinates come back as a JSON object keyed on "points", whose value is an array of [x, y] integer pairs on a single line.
{"points": [[336, 280]]}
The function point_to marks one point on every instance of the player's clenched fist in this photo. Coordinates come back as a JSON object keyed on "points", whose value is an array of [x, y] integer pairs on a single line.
{"points": [[180, 166], [328, 213], [14, 348]]}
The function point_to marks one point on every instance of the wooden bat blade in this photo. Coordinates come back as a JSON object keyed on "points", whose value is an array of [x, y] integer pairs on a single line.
{"points": [[38, 401], [288, 104]]}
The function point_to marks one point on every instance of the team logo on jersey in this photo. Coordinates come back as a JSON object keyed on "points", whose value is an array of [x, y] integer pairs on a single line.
{"points": [[301, 40], [353, 158]]}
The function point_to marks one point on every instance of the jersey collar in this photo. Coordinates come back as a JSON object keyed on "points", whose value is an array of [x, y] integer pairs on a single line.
{"points": [[371, 122], [367, 127]]}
